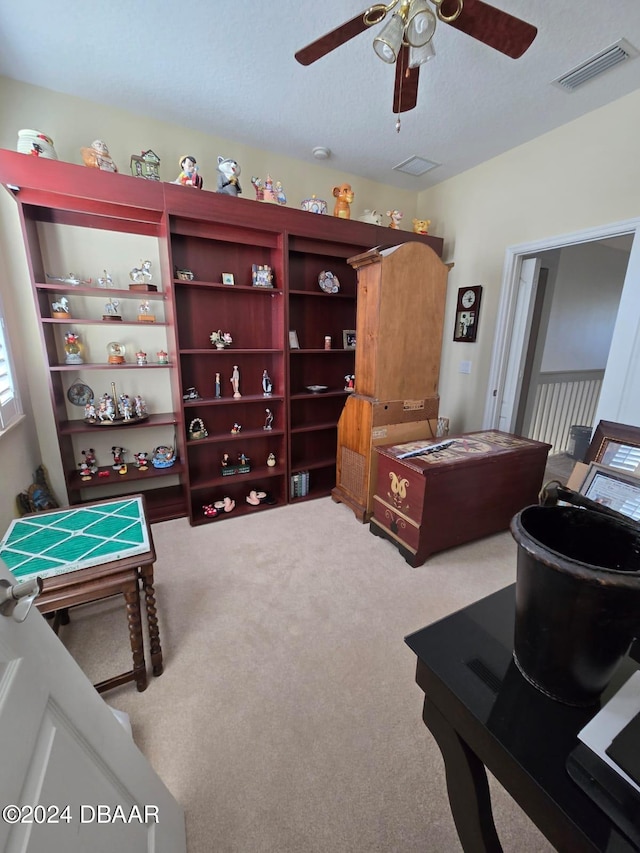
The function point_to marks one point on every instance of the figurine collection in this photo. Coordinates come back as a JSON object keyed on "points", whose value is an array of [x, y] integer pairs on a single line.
{"points": [[146, 165], [113, 409]]}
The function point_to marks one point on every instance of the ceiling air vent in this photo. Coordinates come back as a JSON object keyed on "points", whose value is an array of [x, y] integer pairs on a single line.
{"points": [[415, 166], [598, 64]]}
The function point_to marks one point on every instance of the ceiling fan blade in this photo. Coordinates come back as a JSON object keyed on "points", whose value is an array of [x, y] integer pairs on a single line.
{"points": [[330, 41], [491, 26], [405, 93]]}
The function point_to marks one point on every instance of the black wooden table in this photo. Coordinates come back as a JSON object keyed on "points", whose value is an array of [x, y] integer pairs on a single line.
{"points": [[483, 714]]}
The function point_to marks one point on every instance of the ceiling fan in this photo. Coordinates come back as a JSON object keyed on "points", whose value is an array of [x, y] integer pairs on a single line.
{"points": [[406, 37]]}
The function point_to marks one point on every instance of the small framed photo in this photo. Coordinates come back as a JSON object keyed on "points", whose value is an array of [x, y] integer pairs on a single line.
{"points": [[227, 278], [616, 446], [613, 489], [293, 340], [262, 275], [349, 338]]}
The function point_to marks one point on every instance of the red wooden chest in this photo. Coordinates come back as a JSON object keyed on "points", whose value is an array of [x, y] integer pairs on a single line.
{"points": [[470, 489]]}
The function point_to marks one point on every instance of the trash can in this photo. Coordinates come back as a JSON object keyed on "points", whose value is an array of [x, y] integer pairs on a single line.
{"points": [[579, 439], [577, 599]]}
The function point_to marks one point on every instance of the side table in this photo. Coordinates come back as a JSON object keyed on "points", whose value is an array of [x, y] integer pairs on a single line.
{"points": [[87, 553]]}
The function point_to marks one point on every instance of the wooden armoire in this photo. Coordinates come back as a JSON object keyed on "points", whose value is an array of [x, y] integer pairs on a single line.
{"points": [[399, 321]]}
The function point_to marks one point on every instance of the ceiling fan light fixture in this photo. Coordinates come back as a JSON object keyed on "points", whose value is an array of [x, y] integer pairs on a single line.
{"points": [[420, 55], [421, 24], [389, 41]]}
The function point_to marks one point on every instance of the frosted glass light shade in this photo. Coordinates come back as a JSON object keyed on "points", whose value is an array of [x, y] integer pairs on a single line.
{"points": [[420, 55], [387, 44], [421, 24]]}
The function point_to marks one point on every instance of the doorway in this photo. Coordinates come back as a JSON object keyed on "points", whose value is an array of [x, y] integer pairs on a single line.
{"points": [[564, 318]]}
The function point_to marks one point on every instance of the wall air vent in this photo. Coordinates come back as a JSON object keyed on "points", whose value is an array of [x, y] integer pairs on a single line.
{"points": [[598, 64], [415, 166]]}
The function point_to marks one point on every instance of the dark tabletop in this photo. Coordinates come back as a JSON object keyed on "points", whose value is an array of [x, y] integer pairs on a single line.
{"points": [[465, 666]]}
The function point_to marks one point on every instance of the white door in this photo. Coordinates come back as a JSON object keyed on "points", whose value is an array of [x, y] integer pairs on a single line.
{"points": [[524, 304], [620, 395], [71, 778]]}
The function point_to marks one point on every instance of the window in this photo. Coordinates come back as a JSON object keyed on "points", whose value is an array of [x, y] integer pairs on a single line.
{"points": [[10, 409]]}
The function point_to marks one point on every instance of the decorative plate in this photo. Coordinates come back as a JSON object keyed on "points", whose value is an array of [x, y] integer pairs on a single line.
{"points": [[328, 282], [317, 389], [79, 394]]}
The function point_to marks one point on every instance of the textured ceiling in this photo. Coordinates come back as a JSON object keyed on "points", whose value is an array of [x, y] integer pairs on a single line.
{"points": [[229, 69]]}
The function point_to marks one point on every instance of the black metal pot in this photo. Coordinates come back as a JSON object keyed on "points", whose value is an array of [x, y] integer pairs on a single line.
{"points": [[577, 598]]}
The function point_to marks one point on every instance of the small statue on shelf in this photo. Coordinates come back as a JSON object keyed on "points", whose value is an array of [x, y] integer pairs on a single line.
{"points": [[118, 457], [141, 274], [235, 429], [421, 226], [106, 410], [396, 217], [72, 348], [268, 422], [280, 195], [111, 310], [258, 186], [124, 407], [142, 460], [140, 406], [235, 381], [228, 174], [72, 279], [267, 384], [105, 280], [221, 339], [141, 358], [98, 157], [218, 392], [189, 176], [349, 382], [60, 309], [163, 456], [144, 312], [344, 196], [89, 462]]}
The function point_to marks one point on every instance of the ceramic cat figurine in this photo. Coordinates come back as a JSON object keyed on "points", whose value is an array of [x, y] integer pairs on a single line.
{"points": [[228, 173]]}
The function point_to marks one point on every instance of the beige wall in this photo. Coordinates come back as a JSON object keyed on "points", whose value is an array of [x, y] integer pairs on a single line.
{"points": [[583, 175]]}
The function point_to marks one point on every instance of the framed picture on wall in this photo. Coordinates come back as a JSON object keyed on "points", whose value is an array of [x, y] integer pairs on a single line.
{"points": [[467, 313]]}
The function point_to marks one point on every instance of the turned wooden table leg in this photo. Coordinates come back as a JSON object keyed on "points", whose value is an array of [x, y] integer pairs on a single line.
{"points": [[467, 785], [132, 599], [152, 620]]}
